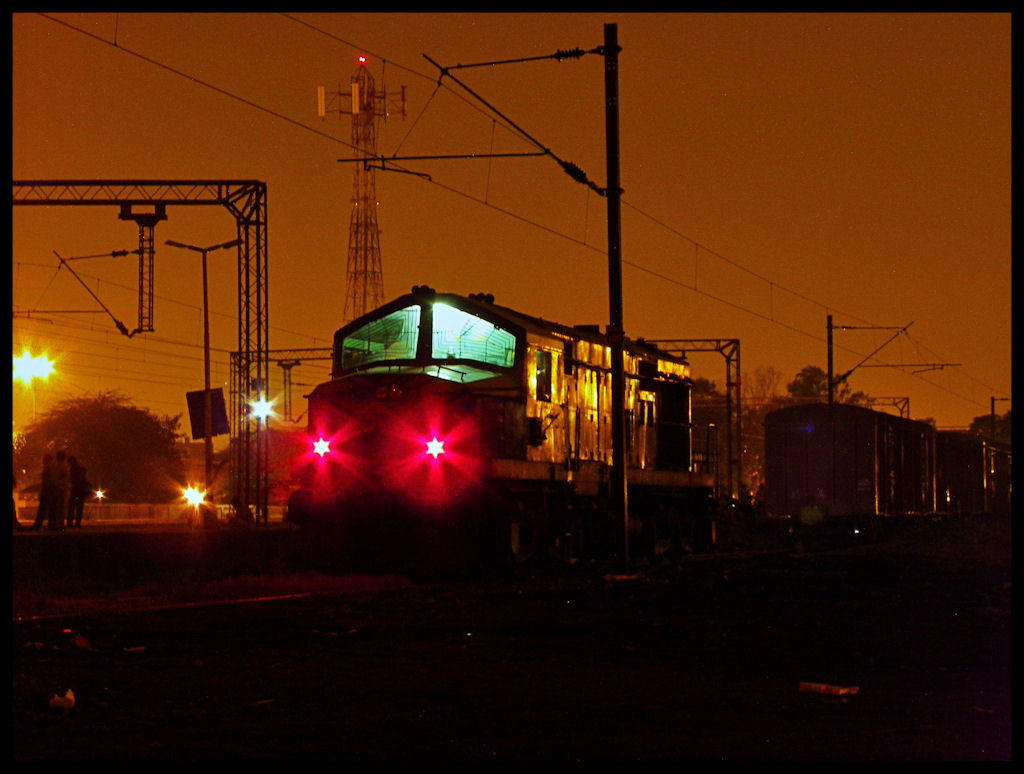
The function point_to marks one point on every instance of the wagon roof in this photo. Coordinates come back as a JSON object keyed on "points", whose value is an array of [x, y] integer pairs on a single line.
{"points": [[787, 413]]}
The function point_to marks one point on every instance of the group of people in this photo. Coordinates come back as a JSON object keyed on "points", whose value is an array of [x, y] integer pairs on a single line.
{"points": [[63, 491]]}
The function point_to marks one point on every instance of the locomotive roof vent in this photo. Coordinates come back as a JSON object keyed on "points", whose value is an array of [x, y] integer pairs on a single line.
{"points": [[483, 298], [423, 289]]}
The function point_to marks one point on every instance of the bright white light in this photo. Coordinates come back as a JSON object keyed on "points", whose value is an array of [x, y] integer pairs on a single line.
{"points": [[262, 408], [27, 367], [100, 494], [321, 447], [194, 496]]}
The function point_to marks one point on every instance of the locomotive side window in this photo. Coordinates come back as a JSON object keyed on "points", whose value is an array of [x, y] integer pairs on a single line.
{"points": [[543, 375], [389, 338], [463, 336]]}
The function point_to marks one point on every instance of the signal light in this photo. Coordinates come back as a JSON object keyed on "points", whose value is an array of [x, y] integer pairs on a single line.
{"points": [[321, 447], [435, 447]]}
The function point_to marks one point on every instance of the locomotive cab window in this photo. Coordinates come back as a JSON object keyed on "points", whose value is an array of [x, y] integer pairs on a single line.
{"points": [[459, 335], [392, 337], [436, 339]]}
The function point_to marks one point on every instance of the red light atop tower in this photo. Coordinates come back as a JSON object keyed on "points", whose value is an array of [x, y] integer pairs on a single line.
{"points": [[361, 59]]}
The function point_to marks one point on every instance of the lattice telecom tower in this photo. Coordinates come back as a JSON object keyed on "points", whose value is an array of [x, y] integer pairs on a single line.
{"points": [[364, 276]]}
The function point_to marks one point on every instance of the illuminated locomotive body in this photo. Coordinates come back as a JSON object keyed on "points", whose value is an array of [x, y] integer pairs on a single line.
{"points": [[453, 423], [825, 462]]}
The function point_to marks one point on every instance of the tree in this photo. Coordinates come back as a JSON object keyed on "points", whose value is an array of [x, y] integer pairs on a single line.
{"points": [[812, 382], [132, 454], [762, 384], [760, 396], [982, 425]]}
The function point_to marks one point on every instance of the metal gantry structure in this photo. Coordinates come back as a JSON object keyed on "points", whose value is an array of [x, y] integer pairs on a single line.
{"points": [[364, 271], [146, 222], [246, 200]]}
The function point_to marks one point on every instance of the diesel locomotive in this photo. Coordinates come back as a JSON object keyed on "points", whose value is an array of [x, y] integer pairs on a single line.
{"points": [[840, 461], [452, 424]]}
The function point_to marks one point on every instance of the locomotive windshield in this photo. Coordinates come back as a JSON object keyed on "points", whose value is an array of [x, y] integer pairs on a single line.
{"points": [[438, 339], [390, 338], [463, 336]]}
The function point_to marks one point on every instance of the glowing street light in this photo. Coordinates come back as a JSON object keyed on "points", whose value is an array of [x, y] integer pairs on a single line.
{"points": [[28, 368]]}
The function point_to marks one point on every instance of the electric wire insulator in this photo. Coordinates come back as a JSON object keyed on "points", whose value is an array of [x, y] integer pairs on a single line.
{"points": [[573, 53]]}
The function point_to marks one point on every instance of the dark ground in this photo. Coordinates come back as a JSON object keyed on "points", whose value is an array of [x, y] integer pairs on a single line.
{"points": [[702, 661]]}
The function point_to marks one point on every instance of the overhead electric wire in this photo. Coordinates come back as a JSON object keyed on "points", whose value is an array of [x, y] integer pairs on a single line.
{"points": [[152, 368], [151, 361], [152, 354], [199, 81], [499, 209], [154, 375], [731, 262], [571, 169], [134, 290]]}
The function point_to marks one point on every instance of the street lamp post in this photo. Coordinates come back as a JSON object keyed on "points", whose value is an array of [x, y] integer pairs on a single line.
{"points": [[207, 402]]}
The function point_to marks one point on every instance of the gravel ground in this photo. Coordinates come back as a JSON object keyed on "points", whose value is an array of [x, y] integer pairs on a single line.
{"points": [[897, 650]]}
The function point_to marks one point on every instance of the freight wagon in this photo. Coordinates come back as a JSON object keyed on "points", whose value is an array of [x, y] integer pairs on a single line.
{"points": [[973, 475], [841, 461]]}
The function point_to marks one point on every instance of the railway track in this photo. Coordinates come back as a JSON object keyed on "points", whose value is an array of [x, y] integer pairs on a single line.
{"points": [[703, 659]]}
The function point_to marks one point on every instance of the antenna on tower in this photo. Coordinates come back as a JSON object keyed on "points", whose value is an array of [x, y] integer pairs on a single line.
{"points": [[368, 107]]}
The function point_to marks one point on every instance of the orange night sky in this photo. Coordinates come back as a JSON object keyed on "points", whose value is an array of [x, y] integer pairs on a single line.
{"points": [[776, 168]]}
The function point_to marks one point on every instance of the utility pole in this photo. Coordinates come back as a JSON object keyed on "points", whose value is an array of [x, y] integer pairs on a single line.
{"points": [[833, 381], [831, 378], [992, 414], [615, 332], [619, 485], [364, 272]]}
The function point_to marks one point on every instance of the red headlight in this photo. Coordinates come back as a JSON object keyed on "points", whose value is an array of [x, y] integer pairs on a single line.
{"points": [[435, 447]]}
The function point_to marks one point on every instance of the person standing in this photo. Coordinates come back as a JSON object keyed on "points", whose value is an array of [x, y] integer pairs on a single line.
{"points": [[78, 490], [57, 512], [46, 484]]}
